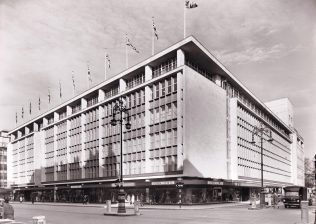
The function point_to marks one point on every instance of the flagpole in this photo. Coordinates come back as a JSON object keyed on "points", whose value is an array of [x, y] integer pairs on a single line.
{"points": [[106, 62], [73, 83], [184, 20], [152, 40], [60, 95], [126, 54]]}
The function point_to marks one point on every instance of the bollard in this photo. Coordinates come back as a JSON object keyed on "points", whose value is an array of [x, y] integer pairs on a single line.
{"points": [[253, 203], [136, 208], [39, 220], [304, 212], [108, 206], [269, 200]]}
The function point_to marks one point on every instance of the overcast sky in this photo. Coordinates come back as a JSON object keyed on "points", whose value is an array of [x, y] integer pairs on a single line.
{"points": [[270, 46]]}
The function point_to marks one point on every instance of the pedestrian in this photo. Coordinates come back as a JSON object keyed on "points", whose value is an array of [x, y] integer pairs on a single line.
{"points": [[85, 199], [21, 199], [8, 211], [33, 199], [275, 200]]}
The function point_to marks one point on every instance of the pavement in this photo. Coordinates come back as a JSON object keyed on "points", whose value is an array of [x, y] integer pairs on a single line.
{"points": [[158, 207]]}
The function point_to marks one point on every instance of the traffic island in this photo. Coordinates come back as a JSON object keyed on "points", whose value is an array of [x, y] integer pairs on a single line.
{"points": [[122, 214]]}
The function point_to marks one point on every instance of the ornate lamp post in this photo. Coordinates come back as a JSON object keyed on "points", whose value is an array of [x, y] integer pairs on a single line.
{"points": [[265, 134], [120, 109]]}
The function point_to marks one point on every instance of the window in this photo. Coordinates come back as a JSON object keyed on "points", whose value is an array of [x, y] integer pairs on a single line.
{"points": [[169, 86], [163, 89]]}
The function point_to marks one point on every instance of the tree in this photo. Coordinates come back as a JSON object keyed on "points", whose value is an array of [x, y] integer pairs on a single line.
{"points": [[309, 173]]}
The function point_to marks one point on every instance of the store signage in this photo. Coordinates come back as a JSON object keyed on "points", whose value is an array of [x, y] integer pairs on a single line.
{"points": [[163, 183], [76, 186], [129, 184], [215, 182]]}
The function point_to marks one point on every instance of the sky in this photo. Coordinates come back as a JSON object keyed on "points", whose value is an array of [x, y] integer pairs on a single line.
{"points": [[270, 46]]}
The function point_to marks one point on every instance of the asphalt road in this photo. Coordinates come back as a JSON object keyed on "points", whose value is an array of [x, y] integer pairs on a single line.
{"points": [[229, 215]]}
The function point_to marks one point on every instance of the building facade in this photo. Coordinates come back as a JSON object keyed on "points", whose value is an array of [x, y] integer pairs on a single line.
{"points": [[191, 122], [4, 140]]}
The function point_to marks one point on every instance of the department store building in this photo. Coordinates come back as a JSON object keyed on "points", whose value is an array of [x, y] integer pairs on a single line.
{"points": [[191, 122]]}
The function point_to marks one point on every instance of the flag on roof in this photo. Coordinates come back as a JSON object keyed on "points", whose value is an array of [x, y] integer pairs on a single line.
{"points": [[190, 5], [48, 95], [89, 74], [73, 80], [155, 29], [107, 57], [60, 94], [128, 43]]}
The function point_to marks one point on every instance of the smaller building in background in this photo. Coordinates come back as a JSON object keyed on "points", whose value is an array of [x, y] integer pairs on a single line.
{"points": [[4, 140]]}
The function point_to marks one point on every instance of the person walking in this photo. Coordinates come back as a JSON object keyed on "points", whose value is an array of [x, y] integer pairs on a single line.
{"points": [[275, 200], [21, 199]]}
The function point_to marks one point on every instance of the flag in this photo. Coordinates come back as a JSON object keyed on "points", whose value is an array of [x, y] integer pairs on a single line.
{"points": [[190, 5], [39, 103], [73, 81], [60, 95], [107, 57], [128, 43], [89, 74], [22, 112], [48, 96], [30, 108], [16, 117], [155, 29]]}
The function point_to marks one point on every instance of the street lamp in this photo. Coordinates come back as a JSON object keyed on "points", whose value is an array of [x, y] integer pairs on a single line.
{"points": [[120, 109], [262, 132]]}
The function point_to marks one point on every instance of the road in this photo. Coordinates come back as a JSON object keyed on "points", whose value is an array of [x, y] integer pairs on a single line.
{"points": [[94, 215]]}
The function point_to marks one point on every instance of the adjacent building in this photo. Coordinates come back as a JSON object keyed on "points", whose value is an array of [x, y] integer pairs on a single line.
{"points": [[4, 140], [191, 122]]}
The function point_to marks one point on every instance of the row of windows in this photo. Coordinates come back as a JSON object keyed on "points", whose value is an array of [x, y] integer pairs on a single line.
{"points": [[165, 67], [92, 115], [76, 108], [163, 88], [112, 92], [164, 139], [163, 113], [163, 152], [163, 164], [135, 81], [255, 155], [259, 112], [92, 101], [62, 115], [91, 172], [75, 123], [163, 126]]}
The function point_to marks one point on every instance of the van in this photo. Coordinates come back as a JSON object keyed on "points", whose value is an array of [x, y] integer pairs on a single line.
{"points": [[293, 195]]}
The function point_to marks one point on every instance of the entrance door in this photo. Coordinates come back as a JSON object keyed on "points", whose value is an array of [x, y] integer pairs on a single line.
{"points": [[217, 193]]}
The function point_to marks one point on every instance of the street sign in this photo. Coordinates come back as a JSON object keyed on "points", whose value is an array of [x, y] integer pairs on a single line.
{"points": [[179, 185]]}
